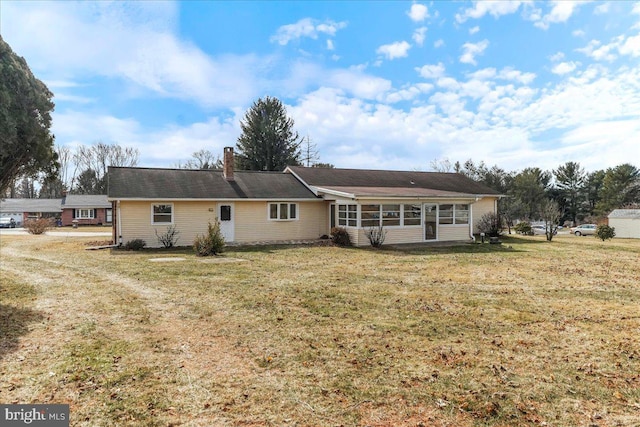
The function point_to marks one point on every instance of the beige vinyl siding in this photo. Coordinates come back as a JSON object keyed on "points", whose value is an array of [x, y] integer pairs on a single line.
{"points": [[395, 235], [190, 219], [447, 233], [626, 228], [252, 222], [480, 208]]}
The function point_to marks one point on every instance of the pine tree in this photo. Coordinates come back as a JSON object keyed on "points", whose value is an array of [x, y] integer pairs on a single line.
{"points": [[268, 141]]}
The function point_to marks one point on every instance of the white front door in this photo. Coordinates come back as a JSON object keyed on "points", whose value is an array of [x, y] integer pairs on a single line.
{"points": [[225, 216]]}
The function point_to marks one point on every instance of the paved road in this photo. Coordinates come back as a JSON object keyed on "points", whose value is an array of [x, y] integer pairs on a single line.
{"points": [[70, 233]]}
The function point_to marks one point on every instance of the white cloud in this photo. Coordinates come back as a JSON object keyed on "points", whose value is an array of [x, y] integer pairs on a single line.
{"points": [[578, 33], [330, 45], [394, 50], [438, 43], [474, 30], [560, 12], [471, 50], [431, 71], [602, 8], [419, 35], [564, 68], [134, 42], [494, 8], [557, 56], [631, 46], [418, 12], [306, 27]]}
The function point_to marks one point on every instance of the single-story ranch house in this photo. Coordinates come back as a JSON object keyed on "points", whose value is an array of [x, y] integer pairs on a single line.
{"points": [[81, 209], [297, 204], [85, 209]]}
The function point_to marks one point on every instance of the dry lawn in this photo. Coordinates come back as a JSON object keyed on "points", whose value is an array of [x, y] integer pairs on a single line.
{"points": [[529, 333]]}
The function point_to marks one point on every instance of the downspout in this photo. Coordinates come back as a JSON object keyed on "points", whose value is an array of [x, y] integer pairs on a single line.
{"points": [[473, 238], [119, 224]]}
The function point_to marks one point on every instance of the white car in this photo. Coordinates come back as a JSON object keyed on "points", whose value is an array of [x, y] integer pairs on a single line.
{"points": [[584, 230]]}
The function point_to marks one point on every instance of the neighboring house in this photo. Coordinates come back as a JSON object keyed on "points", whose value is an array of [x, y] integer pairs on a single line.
{"points": [[626, 223], [297, 204], [85, 209], [23, 209]]}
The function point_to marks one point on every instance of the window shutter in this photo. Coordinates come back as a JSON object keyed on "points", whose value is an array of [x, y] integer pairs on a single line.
{"points": [[74, 214], [95, 213]]}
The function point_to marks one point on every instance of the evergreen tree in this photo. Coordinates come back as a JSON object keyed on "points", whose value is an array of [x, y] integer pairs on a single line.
{"points": [[570, 181], [268, 141], [25, 119]]}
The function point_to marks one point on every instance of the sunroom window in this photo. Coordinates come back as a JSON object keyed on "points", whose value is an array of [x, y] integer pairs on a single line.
{"points": [[454, 214], [162, 214], [348, 215]]}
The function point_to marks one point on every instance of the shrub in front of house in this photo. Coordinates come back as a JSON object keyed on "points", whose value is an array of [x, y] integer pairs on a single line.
{"points": [[135, 245], [38, 226], [490, 224], [211, 243], [340, 236], [376, 236], [604, 232], [169, 238]]}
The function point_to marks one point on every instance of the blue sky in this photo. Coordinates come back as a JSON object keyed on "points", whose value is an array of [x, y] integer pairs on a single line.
{"points": [[379, 85]]}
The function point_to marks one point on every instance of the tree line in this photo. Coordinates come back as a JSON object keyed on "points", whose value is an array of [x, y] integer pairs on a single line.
{"points": [[580, 196]]}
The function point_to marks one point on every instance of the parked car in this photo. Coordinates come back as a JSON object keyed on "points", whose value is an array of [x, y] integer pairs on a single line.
{"points": [[7, 223], [584, 230], [540, 229]]}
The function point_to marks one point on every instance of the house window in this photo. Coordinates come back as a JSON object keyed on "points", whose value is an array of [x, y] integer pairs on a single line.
{"points": [[225, 213], [84, 214], [162, 214], [369, 215], [412, 214], [461, 213], [283, 211], [390, 215], [454, 214], [348, 215]]}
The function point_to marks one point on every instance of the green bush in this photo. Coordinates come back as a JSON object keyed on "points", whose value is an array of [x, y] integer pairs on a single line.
{"points": [[38, 226], [211, 243], [604, 232], [523, 228], [340, 236], [135, 245]]}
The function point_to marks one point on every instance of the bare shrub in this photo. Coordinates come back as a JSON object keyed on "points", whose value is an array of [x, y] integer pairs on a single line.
{"points": [[169, 238], [376, 235], [38, 226]]}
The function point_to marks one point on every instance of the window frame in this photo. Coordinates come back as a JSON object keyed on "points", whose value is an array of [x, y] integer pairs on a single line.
{"points": [[153, 214], [412, 211], [283, 211], [458, 216], [350, 211], [78, 213]]}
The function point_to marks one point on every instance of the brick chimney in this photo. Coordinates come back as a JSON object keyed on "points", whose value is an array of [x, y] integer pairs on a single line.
{"points": [[227, 169]]}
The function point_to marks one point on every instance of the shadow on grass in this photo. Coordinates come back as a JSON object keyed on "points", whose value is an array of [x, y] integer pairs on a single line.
{"points": [[14, 323]]}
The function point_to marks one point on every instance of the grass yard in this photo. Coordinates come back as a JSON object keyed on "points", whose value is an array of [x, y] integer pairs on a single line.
{"points": [[529, 333]]}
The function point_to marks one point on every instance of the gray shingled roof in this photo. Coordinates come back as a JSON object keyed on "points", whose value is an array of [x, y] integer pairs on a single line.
{"points": [[625, 213], [30, 205], [86, 201], [403, 181], [148, 183]]}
